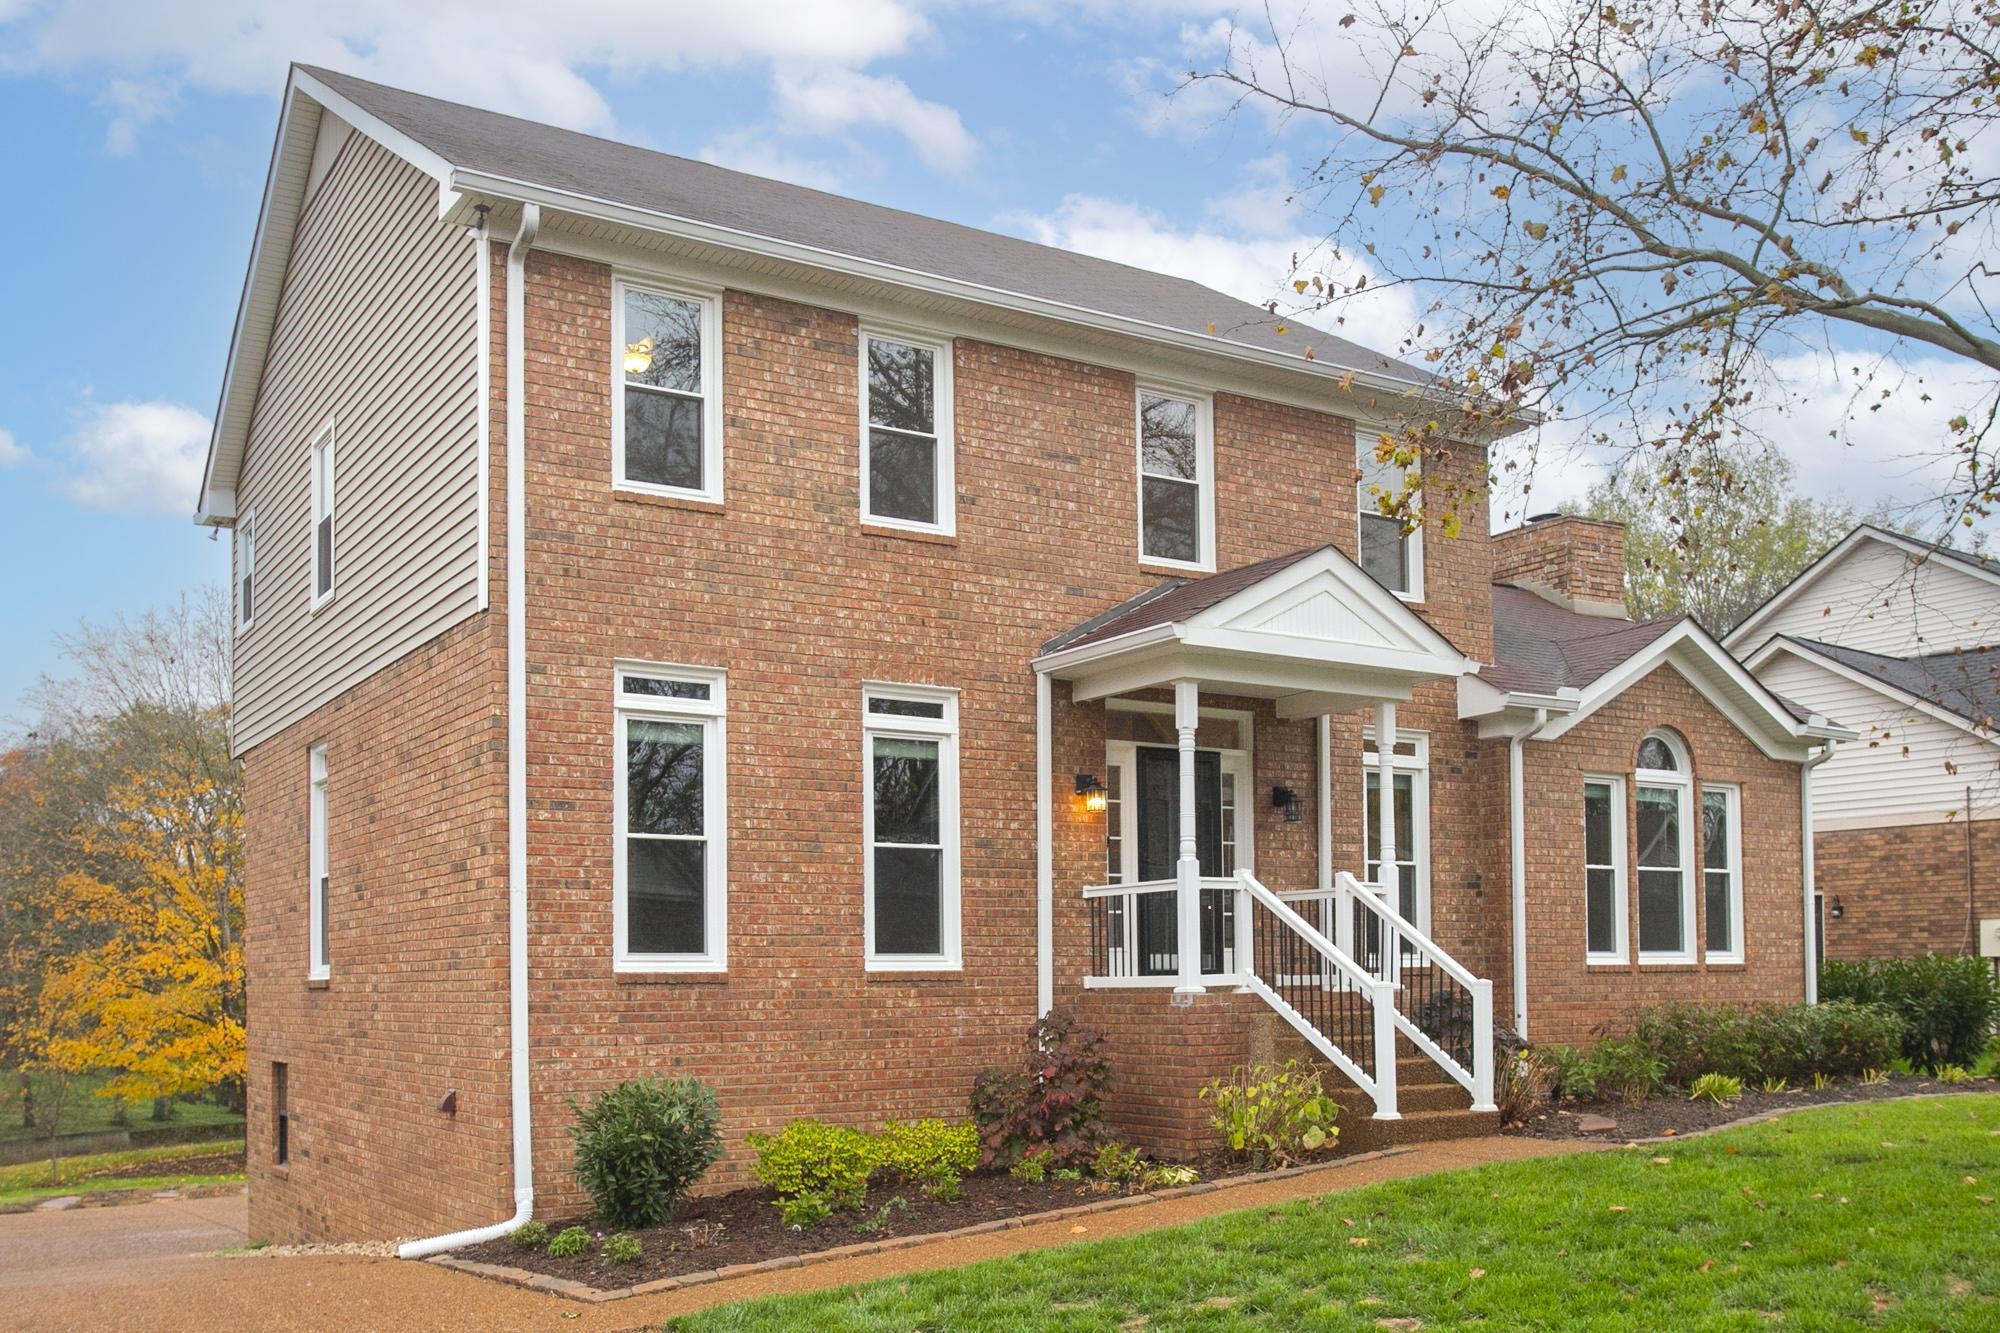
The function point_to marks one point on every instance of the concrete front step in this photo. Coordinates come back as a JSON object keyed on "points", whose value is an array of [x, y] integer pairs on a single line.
{"points": [[1360, 1133], [1409, 1097]]}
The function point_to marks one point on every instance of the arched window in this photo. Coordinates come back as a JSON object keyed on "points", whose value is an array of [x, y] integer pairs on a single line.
{"points": [[1663, 786]]}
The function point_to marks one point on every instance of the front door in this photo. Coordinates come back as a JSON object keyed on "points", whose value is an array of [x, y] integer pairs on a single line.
{"points": [[1157, 792]]}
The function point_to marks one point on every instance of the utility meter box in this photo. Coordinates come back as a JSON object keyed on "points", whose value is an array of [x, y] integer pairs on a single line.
{"points": [[1989, 937]]}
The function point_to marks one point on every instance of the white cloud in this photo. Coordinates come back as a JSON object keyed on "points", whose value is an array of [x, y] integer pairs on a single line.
{"points": [[130, 103], [829, 100], [514, 55], [12, 452], [759, 152], [136, 457]]}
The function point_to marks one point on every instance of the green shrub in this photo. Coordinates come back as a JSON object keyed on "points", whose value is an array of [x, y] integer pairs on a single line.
{"points": [[1273, 1114], [812, 1157], [929, 1152], [621, 1248], [1948, 1004], [1692, 1039], [802, 1212], [641, 1145], [1569, 1071], [1117, 1163], [530, 1235], [569, 1242], [1717, 1088], [1626, 1068], [1055, 1100], [1769, 1041], [1032, 1168]]}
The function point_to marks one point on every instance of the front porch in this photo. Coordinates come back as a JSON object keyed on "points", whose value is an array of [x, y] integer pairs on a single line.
{"points": [[1198, 719]]}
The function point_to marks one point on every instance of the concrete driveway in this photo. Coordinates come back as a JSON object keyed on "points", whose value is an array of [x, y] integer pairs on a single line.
{"points": [[39, 1250]]}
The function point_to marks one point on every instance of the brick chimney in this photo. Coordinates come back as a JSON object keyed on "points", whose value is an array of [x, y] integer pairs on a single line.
{"points": [[1578, 563]]}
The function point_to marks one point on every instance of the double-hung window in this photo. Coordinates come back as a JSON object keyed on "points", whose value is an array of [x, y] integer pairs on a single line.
{"points": [[666, 417], [1412, 809], [1176, 479], [906, 446], [318, 957], [246, 569], [1666, 851], [322, 513], [910, 828], [1604, 870], [670, 809], [1392, 557], [1722, 873]]}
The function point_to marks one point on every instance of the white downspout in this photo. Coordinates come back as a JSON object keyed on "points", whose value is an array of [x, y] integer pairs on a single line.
{"points": [[1045, 982], [1809, 920], [517, 767], [1517, 822]]}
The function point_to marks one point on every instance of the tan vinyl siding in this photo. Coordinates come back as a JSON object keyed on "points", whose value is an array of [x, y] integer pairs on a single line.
{"points": [[377, 332], [1877, 599]]}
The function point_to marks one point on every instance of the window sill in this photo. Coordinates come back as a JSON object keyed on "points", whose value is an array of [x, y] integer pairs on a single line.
{"points": [[1670, 964], [1172, 569], [694, 503], [1619, 963], [630, 978], [319, 983], [320, 604], [934, 536], [901, 969]]}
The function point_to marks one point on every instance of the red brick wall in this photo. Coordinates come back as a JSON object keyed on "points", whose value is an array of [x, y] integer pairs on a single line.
{"points": [[1582, 559], [1567, 1000], [1904, 890], [416, 1003]]}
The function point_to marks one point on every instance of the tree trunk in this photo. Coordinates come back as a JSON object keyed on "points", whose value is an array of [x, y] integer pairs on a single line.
{"points": [[163, 1108]]}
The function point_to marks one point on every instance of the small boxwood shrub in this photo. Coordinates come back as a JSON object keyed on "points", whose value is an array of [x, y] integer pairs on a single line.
{"points": [[812, 1157], [1055, 1100], [641, 1145], [621, 1248], [930, 1152], [530, 1235], [1948, 1004], [803, 1212], [1273, 1114], [568, 1243]]}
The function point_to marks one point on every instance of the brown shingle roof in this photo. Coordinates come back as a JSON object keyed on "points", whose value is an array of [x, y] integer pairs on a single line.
{"points": [[1172, 600], [1539, 647]]}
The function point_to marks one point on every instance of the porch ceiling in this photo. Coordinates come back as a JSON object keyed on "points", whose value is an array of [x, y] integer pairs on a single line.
{"points": [[1310, 630]]}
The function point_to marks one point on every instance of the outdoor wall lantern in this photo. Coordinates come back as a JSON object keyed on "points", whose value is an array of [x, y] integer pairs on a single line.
{"points": [[1091, 790], [1834, 909], [1284, 798]]}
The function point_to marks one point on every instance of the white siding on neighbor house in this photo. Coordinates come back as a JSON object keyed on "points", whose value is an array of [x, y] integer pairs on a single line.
{"points": [[1878, 599], [1897, 772], [377, 331]]}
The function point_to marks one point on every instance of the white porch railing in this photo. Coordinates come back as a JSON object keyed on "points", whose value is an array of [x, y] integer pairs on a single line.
{"points": [[1310, 972]]}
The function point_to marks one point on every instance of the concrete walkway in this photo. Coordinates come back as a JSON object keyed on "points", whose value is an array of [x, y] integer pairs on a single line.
{"points": [[136, 1267]]}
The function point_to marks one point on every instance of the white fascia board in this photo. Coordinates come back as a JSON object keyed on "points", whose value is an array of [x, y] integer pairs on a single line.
{"points": [[397, 142], [1068, 659]]}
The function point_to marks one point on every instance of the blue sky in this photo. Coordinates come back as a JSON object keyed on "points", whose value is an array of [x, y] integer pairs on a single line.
{"points": [[145, 128]]}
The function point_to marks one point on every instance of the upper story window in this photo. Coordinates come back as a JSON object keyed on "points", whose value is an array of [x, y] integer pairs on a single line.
{"points": [[666, 418], [318, 935], [906, 445], [246, 569], [910, 828], [670, 808], [1392, 557], [322, 512], [1176, 479], [1666, 850]]}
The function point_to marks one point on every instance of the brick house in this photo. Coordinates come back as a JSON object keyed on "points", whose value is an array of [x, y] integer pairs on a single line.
{"points": [[1897, 638], [693, 623]]}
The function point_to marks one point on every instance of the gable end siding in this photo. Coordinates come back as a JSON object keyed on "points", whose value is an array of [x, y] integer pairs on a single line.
{"points": [[1879, 600], [377, 331]]}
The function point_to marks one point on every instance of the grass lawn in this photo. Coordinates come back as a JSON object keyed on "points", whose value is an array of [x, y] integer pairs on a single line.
{"points": [[1879, 1215], [140, 1168], [84, 1111]]}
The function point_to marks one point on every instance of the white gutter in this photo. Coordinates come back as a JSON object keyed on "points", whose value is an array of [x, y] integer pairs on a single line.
{"points": [[1517, 822], [1807, 869], [517, 769], [1045, 977]]}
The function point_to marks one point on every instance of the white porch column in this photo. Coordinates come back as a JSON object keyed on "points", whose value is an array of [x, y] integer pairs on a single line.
{"points": [[1187, 870], [1385, 759]]}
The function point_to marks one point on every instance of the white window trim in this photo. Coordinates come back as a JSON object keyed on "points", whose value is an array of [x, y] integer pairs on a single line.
{"points": [[710, 301], [1734, 795], [1413, 540], [1204, 467], [712, 714], [318, 965], [1620, 879], [1418, 765], [944, 731], [323, 438], [246, 567], [945, 470], [1680, 780]]}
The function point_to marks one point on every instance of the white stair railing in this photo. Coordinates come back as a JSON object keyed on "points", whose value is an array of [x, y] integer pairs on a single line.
{"points": [[1445, 1011]]}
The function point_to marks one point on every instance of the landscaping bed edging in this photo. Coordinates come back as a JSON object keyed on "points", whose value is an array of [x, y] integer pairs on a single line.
{"points": [[579, 1291]]}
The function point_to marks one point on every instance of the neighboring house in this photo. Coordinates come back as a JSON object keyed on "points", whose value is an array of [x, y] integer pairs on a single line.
{"points": [[694, 624], [1900, 640]]}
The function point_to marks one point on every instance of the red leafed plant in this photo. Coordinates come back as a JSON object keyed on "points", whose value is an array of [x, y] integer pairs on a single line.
{"points": [[1054, 1101]]}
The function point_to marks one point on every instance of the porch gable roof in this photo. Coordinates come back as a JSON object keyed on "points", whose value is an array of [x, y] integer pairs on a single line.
{"points": [[1310, 628]]}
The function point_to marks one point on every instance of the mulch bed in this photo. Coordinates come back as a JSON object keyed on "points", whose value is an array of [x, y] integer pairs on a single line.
{"points": [[1673, 1112], [743, 1227]]}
